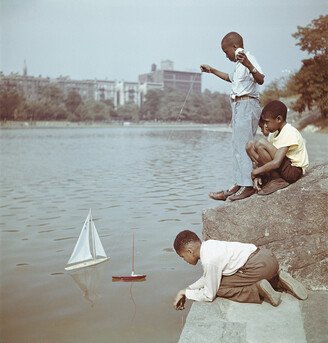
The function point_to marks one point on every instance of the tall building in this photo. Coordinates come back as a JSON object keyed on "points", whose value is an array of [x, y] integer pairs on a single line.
{"points": [[173, 79]]}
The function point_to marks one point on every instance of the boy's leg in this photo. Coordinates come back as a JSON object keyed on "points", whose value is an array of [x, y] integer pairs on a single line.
{"points": [[245, 117], [242, 286], [265, 151], [275, 181], [251, 152]]}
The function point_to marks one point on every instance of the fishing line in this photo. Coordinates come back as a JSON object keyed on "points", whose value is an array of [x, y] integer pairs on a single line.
{"points": [[187, 96], [184, 103]]}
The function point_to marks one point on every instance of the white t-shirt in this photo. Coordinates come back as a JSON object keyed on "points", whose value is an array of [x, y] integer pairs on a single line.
{"points": [[242, 80], [290, 137], [218, 258]]}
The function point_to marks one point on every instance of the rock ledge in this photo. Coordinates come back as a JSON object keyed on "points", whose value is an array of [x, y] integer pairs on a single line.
{"points": [[292, 222]]}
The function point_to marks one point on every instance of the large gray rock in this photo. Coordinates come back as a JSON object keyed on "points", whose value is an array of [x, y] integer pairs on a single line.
{"points": [[292, 222]]}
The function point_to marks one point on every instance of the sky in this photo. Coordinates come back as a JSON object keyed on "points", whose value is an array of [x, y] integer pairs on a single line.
{"points": [[120, 39]]}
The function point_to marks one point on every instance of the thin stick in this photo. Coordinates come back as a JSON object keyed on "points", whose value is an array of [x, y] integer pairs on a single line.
{"points": [[133, 253]]}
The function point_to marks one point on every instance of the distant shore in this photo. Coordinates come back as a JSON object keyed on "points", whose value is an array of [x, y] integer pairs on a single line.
{"points": [[224, 127], [63, 124]]}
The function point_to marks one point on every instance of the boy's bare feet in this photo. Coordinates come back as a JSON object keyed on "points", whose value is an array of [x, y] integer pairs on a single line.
{"points": [[268, 293], [223, 195], [292, 286], [243, 193], [272, 186]]}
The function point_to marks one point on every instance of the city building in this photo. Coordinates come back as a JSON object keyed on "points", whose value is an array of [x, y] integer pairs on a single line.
{"points": [[173, 79], [119, 92]]}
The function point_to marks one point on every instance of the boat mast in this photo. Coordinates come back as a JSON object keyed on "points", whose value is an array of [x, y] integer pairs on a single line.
{"points": [[132, 254], [92, 237]]}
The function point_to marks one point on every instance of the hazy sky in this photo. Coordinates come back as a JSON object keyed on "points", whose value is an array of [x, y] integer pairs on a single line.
{"points": [[119, 39]]}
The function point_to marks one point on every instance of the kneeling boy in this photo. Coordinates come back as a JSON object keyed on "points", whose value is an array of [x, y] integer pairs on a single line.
{"points": [[237, 271], [283, 158]]}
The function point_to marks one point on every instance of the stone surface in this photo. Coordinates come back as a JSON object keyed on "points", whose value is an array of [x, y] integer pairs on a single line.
{"points": [[225, 321], [292, 222]]}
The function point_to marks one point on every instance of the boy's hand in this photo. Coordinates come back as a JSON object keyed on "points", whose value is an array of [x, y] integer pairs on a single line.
{"points": [[205, 68], [242, 58], [180, 300], [257, 183]]}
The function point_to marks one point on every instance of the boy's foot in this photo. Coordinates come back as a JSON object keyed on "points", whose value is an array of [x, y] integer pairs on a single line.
{"points": [[268, 293], [272, 186], [223, 195], [244, 192], [292, 286]]}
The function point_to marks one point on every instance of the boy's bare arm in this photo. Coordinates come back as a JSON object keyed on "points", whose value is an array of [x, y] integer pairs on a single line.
{"points": [[208, 69], [272, 165], [258, 77]]}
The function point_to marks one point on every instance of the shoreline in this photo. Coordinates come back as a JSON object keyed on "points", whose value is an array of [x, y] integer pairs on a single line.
{"points": [[11, 125], [222, 127]]}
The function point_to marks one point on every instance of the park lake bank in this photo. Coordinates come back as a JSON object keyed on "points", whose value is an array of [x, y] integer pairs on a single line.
{"points": [[152, 181]]}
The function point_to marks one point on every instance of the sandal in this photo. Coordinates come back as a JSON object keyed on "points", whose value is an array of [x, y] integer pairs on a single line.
{"points": [[223, 195]]}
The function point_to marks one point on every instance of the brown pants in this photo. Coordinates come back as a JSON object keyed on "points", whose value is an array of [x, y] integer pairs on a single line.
{"points": [[288, 172], [241, 286]]}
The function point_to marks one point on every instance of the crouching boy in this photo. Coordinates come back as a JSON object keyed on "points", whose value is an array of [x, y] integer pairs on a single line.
{"points": [[282, 158], [236, 271]]}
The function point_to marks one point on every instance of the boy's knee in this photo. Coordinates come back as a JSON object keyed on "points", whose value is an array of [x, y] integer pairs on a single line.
{"points": [[261, 143], [250, 145]]}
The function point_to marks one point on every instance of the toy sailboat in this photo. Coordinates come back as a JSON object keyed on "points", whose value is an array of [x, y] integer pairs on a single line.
{"points": [[133, 276], [88, 250]]}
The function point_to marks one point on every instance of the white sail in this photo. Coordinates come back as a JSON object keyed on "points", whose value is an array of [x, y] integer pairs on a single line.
{"points": [[81, 250], [99, 249], [87, 248]]}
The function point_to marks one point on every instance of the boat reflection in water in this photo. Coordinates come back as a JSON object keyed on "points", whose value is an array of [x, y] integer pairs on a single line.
{"points": [[88, 279]]}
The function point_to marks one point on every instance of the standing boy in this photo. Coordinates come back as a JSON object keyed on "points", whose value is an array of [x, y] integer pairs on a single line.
{"points": [[283, 158], [245, 81], [236, 271]]}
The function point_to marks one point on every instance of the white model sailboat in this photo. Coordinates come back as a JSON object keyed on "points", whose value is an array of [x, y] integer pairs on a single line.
{"points": [[88, 250]]}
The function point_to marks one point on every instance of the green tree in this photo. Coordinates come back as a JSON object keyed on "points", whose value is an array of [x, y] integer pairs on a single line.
{"points": [[149, 108], [72, 101], [11, 99], [171, 106], [92, 111], [52, 94], [311, 80], [128, 112]]}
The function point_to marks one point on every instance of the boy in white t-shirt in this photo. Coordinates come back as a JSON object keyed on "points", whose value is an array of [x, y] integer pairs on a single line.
{"points": [[283, 158], [233, 270]]}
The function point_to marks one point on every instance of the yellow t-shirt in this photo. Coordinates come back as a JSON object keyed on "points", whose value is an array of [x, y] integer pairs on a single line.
{"points": [[290, 137]]}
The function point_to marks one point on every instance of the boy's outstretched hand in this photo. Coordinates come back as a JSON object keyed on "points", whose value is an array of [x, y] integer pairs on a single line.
{"points": [[180, 300], [205, 68]]}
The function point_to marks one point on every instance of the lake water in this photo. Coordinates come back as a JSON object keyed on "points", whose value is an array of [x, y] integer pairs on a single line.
{"points": [[152, 181]]}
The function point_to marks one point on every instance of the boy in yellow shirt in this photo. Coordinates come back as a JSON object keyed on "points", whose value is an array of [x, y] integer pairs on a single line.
{"points": [[282, 158]]}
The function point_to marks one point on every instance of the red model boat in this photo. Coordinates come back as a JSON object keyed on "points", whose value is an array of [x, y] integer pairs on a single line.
{"points": [[133, 276]]}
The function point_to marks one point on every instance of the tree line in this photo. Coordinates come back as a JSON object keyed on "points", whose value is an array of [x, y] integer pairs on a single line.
{"points": [[308, 86], [52, 104]]}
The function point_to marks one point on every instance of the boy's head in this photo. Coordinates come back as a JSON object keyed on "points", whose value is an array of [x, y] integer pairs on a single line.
{"points": [[274, 115], [187, 245], [230, 43], [264, 129]]}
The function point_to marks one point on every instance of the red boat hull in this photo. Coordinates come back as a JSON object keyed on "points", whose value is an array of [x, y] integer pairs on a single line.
{"points": [[129, 278]]}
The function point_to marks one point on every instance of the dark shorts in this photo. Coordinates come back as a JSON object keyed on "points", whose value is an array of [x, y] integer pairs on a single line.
{"points": [[288, 172]]}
